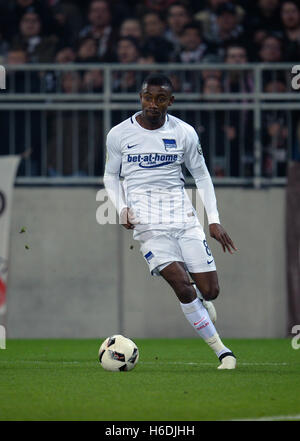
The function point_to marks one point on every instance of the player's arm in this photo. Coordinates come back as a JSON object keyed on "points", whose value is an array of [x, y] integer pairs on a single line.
{"points": [[195, 163], [112, 182]]}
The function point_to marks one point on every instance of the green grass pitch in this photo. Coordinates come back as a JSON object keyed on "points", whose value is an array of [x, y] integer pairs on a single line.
{"points": [[175, 380]]}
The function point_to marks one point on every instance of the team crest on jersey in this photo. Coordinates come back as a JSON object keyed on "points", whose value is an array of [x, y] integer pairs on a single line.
{"points": [[170, 144]]}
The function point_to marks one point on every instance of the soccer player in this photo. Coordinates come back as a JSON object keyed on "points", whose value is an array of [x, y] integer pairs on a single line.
{"points": [[148, 150]]}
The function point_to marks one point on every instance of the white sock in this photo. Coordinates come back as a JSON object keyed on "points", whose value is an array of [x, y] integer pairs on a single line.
{"points": [[198, 317]]}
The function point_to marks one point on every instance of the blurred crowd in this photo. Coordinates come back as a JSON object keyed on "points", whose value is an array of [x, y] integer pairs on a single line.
{"points": [[160, 31], [126, 31]]}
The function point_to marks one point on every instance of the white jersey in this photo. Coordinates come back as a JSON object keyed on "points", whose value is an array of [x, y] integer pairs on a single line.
{"points": [[150, 163]]}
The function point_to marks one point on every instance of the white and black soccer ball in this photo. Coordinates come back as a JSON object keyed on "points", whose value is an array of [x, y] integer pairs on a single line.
{"points": [[118, 353]]}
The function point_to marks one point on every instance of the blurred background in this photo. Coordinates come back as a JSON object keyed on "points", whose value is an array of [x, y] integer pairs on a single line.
{"points": [[73, 70]]}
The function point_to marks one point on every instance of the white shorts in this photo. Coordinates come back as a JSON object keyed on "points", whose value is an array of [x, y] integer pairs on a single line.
{"points": [[187, 246]]}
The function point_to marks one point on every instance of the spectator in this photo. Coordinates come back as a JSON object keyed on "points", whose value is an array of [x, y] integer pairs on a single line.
{"points": [[155, 41], [39, 48], [227, 29], [194, 47], [131, 27], [237, 80], [147, 57], [178, 16], [15, 57], [100, 29], [87, 51], [211, 73], [290, 16], [50, 80], [128, 51], [271, 50], [265, 16], [164, 31], [153, 25], [236, 54], [15, 9], [211, 130], [65, 55], [19, 81], [262, 20], [208, 18], [15, 136], [239, 123], [212, 86], [274, 135], [275, 86], [68, 18], [92, 81], [74, 137], [160, 48], [71, 82], [259, 35]]}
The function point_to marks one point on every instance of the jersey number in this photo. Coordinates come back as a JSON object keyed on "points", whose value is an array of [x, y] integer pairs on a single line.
{"points": [[207, 248]]}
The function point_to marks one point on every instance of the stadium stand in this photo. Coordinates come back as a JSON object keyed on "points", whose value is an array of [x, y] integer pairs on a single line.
{"points": [[246, 116]]}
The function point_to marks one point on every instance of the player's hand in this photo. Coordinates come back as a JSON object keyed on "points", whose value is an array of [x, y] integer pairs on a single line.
{"points": [[128, 218], [218, 233]]}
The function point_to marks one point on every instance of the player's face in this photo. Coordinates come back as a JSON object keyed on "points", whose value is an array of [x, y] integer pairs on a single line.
{"points": [[155, 101]]}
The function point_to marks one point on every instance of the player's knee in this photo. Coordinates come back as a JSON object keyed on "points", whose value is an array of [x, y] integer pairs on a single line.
{"points": [[185, 292], [211, 292]]}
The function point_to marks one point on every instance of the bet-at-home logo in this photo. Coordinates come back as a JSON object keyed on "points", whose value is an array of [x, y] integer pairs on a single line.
{"points": [[2, 78], [152, 160]]}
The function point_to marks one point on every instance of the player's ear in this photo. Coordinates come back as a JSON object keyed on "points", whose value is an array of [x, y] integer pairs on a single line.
{"points": [[171, 100]]}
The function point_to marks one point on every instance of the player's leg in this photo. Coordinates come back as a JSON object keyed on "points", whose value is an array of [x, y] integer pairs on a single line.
{"points": [[209, 305], [207, 283], [197, 315], [200, 263], [177, 277]]}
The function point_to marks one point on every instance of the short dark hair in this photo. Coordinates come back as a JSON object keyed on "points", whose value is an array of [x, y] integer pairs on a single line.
{"points": [[194, 25], [235, 44], [132, 40], [158, 79], [274, 36]]}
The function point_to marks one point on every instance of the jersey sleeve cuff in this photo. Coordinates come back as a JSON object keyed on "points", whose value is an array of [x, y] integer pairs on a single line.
{"points": [[213, 219]]}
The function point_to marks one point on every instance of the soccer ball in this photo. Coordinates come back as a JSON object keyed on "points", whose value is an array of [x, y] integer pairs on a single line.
{"points": [[118, 353]]}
